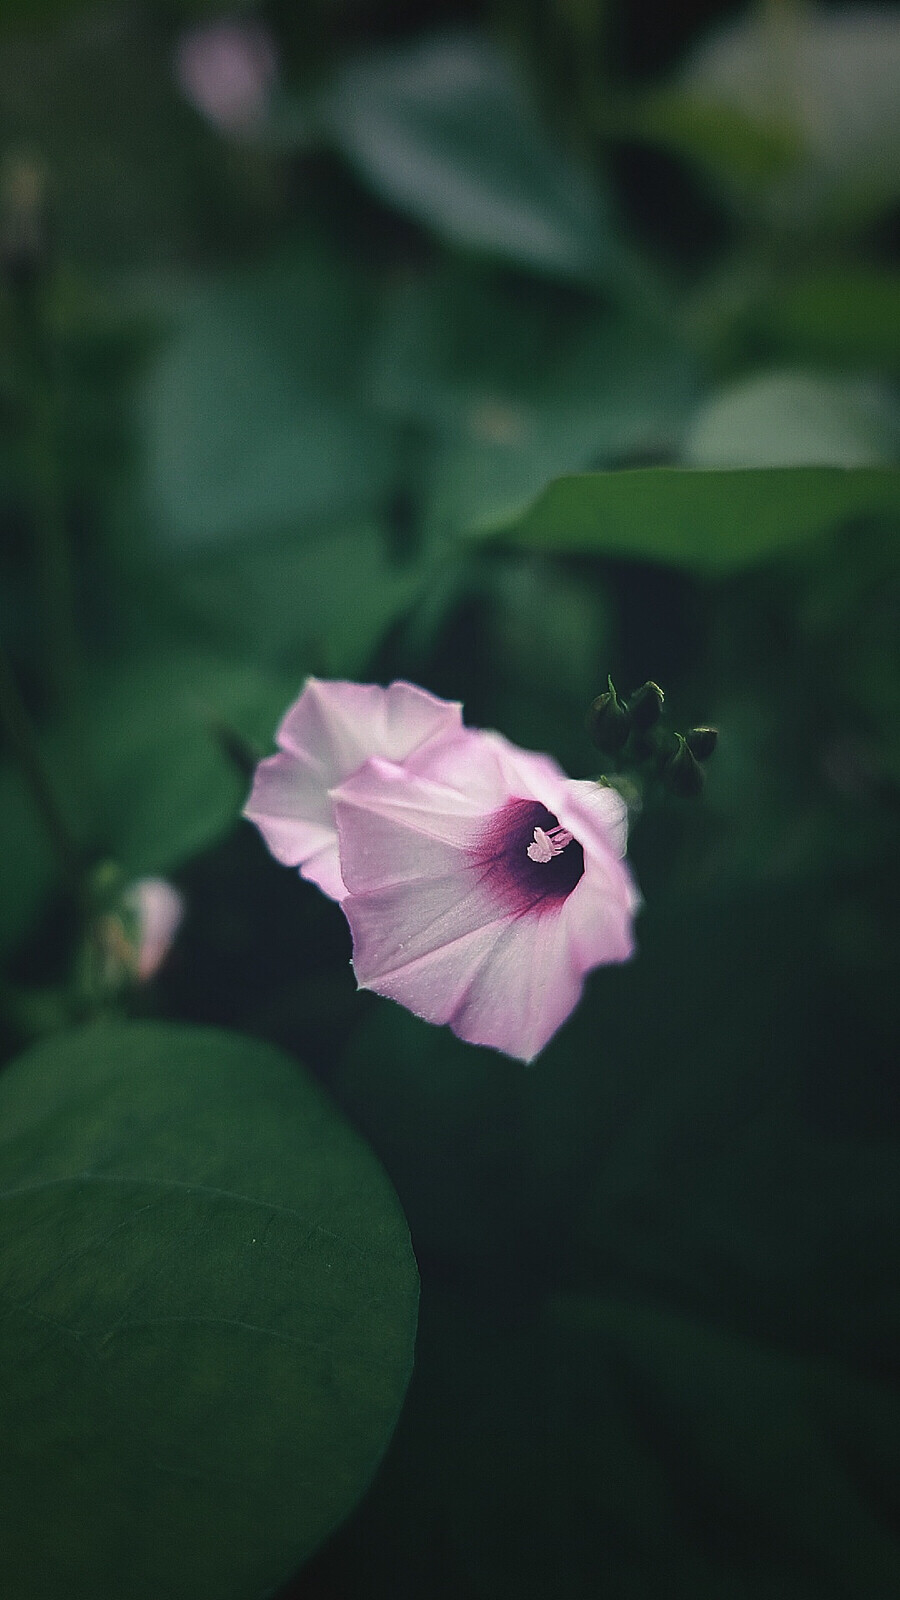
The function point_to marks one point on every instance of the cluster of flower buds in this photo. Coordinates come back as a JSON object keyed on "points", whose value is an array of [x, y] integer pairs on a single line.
{"points": [[631, 732]]}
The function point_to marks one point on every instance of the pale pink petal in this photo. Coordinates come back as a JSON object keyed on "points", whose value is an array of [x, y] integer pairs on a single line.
{"points": [[526, 988], [339, 725], [525, 772], [158, 909], [326, 735], [599, 915], [395, 826], [291, 808], [600, 802], [443, 949]]}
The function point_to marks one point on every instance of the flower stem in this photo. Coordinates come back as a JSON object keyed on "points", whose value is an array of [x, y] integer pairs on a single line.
{"points": [[16, 723], [55, 577]]}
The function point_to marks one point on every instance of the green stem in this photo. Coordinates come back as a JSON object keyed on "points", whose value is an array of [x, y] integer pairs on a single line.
{"points": [[16, 722], [54, 562]]}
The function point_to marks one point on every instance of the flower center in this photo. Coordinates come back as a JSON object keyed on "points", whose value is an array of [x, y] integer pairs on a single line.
{"points": [[528, 860], [545, 846]]}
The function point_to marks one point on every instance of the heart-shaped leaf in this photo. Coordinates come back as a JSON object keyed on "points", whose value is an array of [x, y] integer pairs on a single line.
{"points": [[208, 1312]]}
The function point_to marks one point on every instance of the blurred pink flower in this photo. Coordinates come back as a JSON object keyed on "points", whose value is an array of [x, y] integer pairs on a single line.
{"points": [[226, 69], [483, 886], [325, 737]]}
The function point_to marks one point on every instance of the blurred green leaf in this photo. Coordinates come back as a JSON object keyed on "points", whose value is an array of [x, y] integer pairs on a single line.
{"points": [[139, 770], [446, 1122], [831, 75], [444, 130], [252, 419], [29, 870], [514, 390], [94, 104], [792, 419], [19, 12], [714, 521], [209, 1314], [843, 314], [551, 630], [159, 786], [546, 633], [746, 1428], [320, 604], [630, 1449], [725, 139]]}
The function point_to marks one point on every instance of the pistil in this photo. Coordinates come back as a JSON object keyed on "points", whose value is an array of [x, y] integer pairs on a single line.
{"points": [[546, 845]]}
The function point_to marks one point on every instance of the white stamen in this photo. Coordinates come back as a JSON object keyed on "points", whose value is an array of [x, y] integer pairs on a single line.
{"points": [[548, 845]]}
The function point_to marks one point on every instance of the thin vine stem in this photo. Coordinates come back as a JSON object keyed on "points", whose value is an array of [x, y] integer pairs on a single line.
{"points": [[17, 725]]}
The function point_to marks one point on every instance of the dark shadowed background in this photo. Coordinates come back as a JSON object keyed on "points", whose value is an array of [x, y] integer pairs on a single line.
{"points": [[303, 308]]}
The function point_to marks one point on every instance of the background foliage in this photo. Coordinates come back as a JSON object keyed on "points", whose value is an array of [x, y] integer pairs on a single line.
{"points": [[496, 347]]}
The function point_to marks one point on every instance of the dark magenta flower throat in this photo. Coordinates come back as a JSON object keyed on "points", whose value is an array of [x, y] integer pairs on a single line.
{"points": [[530, 862]]}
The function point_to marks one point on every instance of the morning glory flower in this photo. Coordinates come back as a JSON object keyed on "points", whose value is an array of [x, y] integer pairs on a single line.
{"points": [[483, 886], [325, 737]]}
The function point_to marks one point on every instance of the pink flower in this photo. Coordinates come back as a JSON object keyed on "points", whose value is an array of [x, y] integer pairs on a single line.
{"points": [[484, 886], [326, 736], [227, 70], [481, 884]]}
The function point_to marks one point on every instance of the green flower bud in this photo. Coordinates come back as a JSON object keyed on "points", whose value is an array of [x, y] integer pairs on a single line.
{"points": [[682, 773], [646, 705], [609, 721], [702, 742]]}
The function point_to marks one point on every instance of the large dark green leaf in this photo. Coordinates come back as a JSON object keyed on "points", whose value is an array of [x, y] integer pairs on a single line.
{"points": [[445, 131], [251, 422], [208, 1313], [714, 521]]}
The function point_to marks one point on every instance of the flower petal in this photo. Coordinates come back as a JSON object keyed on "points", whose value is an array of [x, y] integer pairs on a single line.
{"points": [[339, 725], [290, 807], [395, 827], [603, 805], [441, 947], [327, 734], [599, 915]]}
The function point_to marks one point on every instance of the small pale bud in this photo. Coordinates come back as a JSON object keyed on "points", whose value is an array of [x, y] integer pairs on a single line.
{"points": [[158, 910]]}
